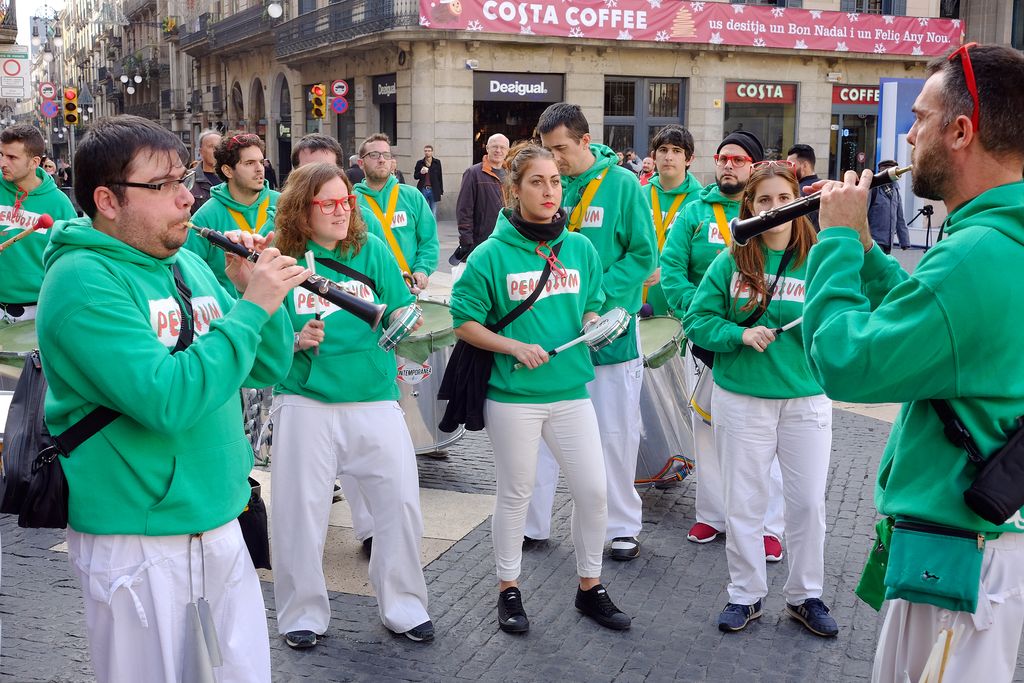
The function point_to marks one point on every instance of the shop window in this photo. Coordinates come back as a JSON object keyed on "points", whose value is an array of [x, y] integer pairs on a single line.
{"points": [[635, 109], [306, 6], [950, 9], [889, 7], [768, 110], [389, 121]]}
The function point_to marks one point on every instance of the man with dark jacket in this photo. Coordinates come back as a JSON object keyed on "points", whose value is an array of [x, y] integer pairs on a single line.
{"points": [[206, 172], [803, 159], [480, 197], [429, 178], [885, 213]]}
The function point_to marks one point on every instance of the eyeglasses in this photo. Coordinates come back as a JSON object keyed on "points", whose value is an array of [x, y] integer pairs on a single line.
{"points": [[378, 155], [972, 85], [186, 181], [243, 140], [737, 160], [329, 206], [768, 163]]}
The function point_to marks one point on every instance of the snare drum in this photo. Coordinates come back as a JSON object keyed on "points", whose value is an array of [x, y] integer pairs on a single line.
{"points": [[400, 328], [17, 341], [666, 436], [422, 358]]}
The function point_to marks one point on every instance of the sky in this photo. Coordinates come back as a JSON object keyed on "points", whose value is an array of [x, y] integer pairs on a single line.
{"points": [[27, 8]]}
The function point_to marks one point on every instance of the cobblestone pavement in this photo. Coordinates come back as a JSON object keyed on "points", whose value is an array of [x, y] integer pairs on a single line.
{"points": [[673, 591]]}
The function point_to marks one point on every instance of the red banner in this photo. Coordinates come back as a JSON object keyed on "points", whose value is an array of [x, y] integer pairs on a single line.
{"points": [[716, 23], [855, 94]]}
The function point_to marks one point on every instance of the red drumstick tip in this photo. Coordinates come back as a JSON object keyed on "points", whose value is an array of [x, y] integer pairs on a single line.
{"points": [[44, 222]]}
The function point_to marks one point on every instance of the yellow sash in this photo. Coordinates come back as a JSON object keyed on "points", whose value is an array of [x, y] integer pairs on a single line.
{"points": [[576, 217], [261, 217], [385, 221], [662, 224], [723, 225]]}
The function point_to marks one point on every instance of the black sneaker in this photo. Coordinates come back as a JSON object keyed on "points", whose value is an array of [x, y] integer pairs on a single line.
{"points": [[625, 548], [813, 614], [424, 633], [300, 640], [511, 615], [736, 617], [596, 604], [368, 546], [531, 543]]}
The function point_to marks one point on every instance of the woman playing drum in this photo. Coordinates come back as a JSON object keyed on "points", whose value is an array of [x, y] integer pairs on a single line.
{"points": [[337, 413], [543, 398], [766, 404]]}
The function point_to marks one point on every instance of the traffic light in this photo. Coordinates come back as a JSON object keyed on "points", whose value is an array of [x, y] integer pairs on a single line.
{"points": [[318, 97], [71, 106]]}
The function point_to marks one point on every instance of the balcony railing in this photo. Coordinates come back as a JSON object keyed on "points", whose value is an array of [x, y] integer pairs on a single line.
{"points": [[195, 35], [251, 23], [133, 6], [343, 21]]}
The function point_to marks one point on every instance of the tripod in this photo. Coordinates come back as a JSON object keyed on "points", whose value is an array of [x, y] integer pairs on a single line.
{"points": [[927, 212]]}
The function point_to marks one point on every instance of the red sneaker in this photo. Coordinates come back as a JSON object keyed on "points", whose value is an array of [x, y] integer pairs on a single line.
{"points": [[702, 533], [772, 549]]}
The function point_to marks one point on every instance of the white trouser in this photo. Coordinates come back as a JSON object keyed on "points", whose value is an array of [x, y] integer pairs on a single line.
{"points": [[362, 520], [750, 433], [987, 650], [710, 503], [136, 591], [515, 430], [615, 392], [314, 443]]}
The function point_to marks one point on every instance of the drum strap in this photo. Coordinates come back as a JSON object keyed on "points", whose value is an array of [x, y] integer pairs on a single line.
{"points": [[385, 221], [580, 210], [261, 217], [662, 223], [534, 295], [339, 267], [723, 225]]}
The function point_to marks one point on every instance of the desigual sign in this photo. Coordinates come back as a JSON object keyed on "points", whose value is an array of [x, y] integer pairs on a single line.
{"points": [[517, 87], [384, 89], [775, 93], [855, 94]]}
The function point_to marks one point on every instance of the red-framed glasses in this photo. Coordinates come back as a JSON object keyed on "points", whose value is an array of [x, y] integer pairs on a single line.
{"points": [[768, 163], [972, 85], [738, 160], [329, 206]]}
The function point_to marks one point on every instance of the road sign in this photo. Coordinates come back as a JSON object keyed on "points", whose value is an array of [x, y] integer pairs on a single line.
{"points": [[339, 105], [49, 108], [14, 71], [339, 88], [48, 90]]}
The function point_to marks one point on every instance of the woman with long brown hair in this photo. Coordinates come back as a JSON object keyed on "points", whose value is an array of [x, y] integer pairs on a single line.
{"points": [[337, 413], [766, 405]]}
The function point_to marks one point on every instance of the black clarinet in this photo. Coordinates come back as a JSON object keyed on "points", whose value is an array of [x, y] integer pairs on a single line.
{"points": [[369, 313], [743, 230]]}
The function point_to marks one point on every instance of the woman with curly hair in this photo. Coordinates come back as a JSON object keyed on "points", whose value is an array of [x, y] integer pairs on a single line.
{"points": [[766, 405], [337, 413]]}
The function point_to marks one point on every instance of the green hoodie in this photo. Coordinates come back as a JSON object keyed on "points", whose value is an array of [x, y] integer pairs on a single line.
{"points": [[950, 330], [413, 224], [618, 223], [693, 243], [712, 321], [499, 275], [690, 189], [177, 460], [350, 367], [21, 266], [216, 214]]}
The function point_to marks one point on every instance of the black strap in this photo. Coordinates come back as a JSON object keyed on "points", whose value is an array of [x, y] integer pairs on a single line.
{"points": [[78, 433], [340, 267], [761, 310], [956, 431], [528, 301]]}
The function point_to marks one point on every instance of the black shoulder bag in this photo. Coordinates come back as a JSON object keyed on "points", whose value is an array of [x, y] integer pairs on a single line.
{"points": [[33, 485], [708, 357], [997, 492], [465, 380]]}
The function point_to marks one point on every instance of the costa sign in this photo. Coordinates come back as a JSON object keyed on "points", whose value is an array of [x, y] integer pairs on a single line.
{"points": [[765, 93], [855, 94]]}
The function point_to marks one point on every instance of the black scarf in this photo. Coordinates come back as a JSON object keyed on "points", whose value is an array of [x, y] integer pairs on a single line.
{"points": [[538, 232]]}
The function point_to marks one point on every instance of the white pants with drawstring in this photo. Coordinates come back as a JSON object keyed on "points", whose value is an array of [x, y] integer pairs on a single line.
{"points": [[136, 591]]}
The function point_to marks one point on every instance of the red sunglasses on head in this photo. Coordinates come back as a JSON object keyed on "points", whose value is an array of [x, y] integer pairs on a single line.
{"points": [[972, 85], [243, 139]]}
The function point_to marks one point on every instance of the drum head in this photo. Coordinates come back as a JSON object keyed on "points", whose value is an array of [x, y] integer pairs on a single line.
{"points": [[17, 341], [659, 339], [435, 333]]}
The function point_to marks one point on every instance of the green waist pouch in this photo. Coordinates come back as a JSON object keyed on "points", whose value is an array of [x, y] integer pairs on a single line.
{"points": [[934, 564], [871, 588]]}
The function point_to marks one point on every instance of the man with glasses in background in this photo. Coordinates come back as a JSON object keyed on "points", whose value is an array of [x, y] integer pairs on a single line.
{"points": [[154, 494], [698, 236], [244, 201], [404, 215]]}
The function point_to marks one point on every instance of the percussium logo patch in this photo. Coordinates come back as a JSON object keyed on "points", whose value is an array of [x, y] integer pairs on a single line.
{"points": [[165, 317], [788, 289], [521, 285]]}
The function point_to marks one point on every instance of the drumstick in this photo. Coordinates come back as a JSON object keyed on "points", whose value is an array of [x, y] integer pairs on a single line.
{"points": [[44, 222], [788, 326], [596, 331], [311, 266]]}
